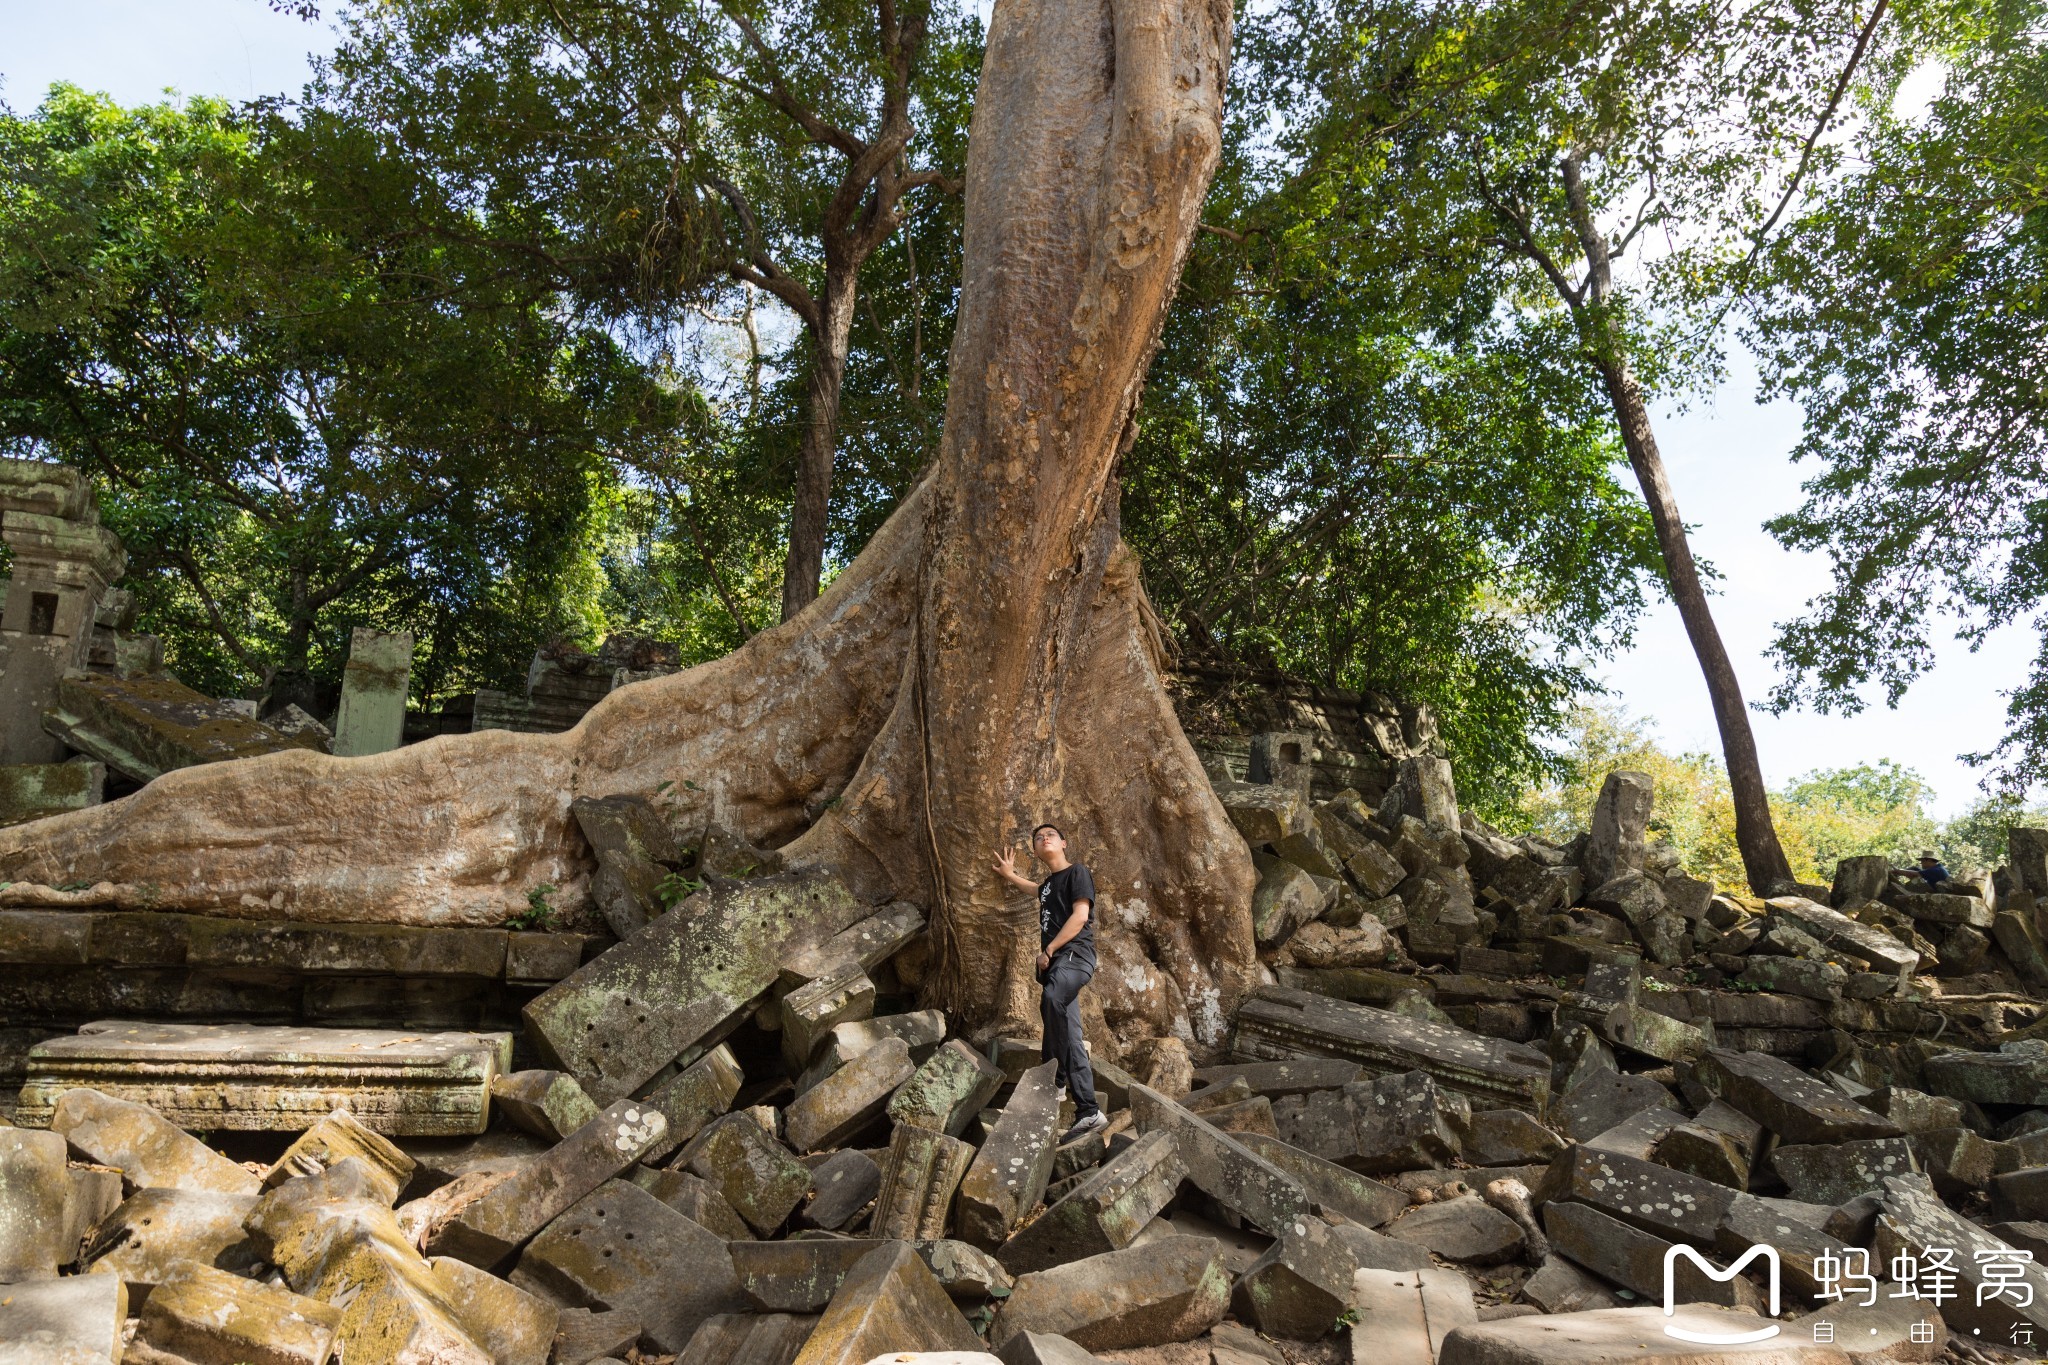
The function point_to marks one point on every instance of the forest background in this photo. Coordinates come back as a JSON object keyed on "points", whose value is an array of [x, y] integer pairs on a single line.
{"points": [[489, 334]]}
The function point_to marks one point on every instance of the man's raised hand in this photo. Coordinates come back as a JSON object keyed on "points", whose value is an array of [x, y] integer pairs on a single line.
{"points": [[1006, 864]]}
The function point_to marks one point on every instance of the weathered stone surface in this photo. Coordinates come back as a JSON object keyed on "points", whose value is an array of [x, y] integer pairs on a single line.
{"points": [[919, 1178], [585, 1336], [1606, 1098], [890, 1302], [1407, 1315], [1286, 898], [205, 1316], [1276, 1080], [243, 1076], [1221, 1166], [1172, 1289], [94, 1195], [512, 1326], [489, 1230], [72, 1321], [1798, 1232], [1008, 1175], [869, 941], [1467, 1230], [1106, 1212], [620, 1018], [621, 1249], [1719, 1144], [850, 1099], [755, 1173], [441, 1160], [1506, 1137], [334, 1138], [694, 1096], [631, 840], [1609, 1336], [33, 1194], [2015, 1074], [748, 1339], [1795, 976], [156, 1230], [30, 791], [967, 1273], [1835, 1173], [1330, 1187], [1621, 814], [538, 957], [809, 1012], [1913, 1219], [1937, 907], [1558, 1286], [149, 1151], [799, 1275], [373, 687], [1672, 1204], [846, 1183], [1263, 814], [1276, 1024], [1634, 1259], [952, 1086], [143, 727], [1044, 1348], [1838, 931], [1302, 1283], [2022, 1194], [692, 1196], [548, 1104], [1638, 1135], [1784, 1099]]}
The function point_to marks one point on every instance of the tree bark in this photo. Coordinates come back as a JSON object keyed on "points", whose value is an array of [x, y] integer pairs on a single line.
{"points": [[1763, 858], [804, 567], [989, 661]]}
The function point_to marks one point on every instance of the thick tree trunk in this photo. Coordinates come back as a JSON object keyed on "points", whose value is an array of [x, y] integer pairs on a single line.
{"points": [[988, 662], [1763, 859], [811, 504]]}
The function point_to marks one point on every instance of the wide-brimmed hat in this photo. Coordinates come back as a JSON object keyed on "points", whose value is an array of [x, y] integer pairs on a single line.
{"points": [[1927, 856]]}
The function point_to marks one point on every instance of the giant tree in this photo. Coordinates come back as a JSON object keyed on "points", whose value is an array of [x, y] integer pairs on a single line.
{"points": [[988, 661], [655, 148]]}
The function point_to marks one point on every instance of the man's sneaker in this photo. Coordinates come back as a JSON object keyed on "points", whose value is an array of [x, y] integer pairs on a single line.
{"points": [[1094, 1123]]}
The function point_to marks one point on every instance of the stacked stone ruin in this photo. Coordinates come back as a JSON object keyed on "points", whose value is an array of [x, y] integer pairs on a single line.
{"points": [[1487, 1089]]}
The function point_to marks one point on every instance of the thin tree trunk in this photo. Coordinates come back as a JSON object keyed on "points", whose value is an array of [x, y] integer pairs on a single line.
{"points": [[1763, 859], [809, 509]]}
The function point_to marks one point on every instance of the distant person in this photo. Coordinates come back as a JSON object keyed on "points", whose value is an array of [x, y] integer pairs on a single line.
{"points": [[1066, 963], [1930, 872]]}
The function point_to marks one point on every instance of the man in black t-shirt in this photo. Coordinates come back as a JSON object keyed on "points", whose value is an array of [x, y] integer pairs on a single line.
{"points": [[1066, 963]]}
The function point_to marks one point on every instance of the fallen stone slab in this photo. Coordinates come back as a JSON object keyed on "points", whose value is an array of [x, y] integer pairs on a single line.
{"points": [[1009, 1174], [34, 1192], [1406, 1315], [922, 1031], [512, 1326], [1784, 1099], [810, 1011], [799, 1275], [842, 1186], [967, 1273], [850, 1099], [1558, 1286], [584, 1336], [694, 1096], [1719, 1144], [148, 1150], [631, 840], [204, 1316], [1937, 907], [1673, 1205], [2015, 1074], [1466, 1229], [748, 1339], [692, 1196], [1634, 1259], [890, 1301], [489, 1230], [1506, 1137], [868, 942], [620, 1018], [1276, 1024], [621, 1249], [1799, 1233], [1609, 1336], [920, 1175], [156, 1230], [1264, 813], [1276, 1080], [1836, 1173], [1172, 1289], [1330, 1187], [334, 1139], [1639, 1136], [548, 1104], [1837, 930], [1221, 1166], [1607, 1098], [954, 1084], [438, 1161], [1302, 1284], [250, 1077], [145, 726], [1044, 1348], [1890, 1330], [72, 1321], [1106, 1212], [751, 1170]]}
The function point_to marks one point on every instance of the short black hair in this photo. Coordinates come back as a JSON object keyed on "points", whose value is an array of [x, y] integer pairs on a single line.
{"points": [[1048, 825]]}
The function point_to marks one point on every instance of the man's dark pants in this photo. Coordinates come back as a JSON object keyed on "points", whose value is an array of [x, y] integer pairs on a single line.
{"points": [[1059, 1010]]}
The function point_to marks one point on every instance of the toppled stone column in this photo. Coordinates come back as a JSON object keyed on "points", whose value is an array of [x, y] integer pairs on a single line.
{"points": [[1008, 1176], [1621, 815], [374, 683]]}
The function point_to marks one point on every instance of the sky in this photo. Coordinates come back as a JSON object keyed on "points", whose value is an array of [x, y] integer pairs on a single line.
{"points": [[1728, 458]]}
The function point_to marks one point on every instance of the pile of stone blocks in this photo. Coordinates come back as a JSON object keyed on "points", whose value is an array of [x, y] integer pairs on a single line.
{"points": [[564, 682]]}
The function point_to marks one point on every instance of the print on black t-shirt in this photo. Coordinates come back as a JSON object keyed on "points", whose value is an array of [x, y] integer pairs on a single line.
{"points": [[1056, 897]]}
